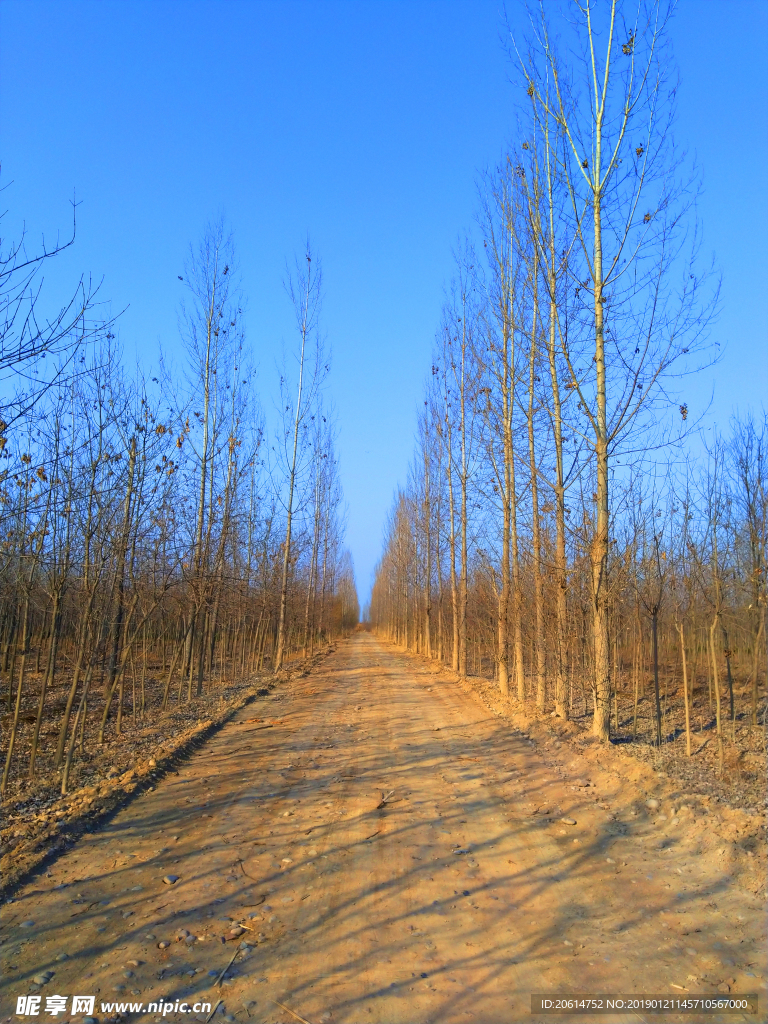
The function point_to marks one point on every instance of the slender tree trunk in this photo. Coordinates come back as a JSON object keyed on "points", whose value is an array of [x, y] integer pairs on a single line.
{"points": [[681, 631], [85, 627], [176, 655], [756, 667], [281, 624], [716, 686], [655, 632], [601, 725], [452, 556], [539, 642], [73, 737], [122, 551], [517, 602], [428, 542], [48, 677], [24, 633]]}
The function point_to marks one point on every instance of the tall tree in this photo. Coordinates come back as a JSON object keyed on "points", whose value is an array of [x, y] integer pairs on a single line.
{"points": [[304, 288], [613, 105]]}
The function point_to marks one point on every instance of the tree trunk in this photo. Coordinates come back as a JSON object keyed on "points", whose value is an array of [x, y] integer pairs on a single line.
{"points": [[654, 629], [48, 677], [19, 691], [681, 631], [716, 686]]}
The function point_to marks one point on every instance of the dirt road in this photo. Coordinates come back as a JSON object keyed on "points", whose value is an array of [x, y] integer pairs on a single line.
{"points": [[397, 853]]}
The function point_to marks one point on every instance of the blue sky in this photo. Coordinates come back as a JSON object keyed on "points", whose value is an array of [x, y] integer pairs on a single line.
{"points": [[362, 124]]}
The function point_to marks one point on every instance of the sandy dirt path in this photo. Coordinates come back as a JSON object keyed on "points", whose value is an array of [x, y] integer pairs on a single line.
{"points": [[454, 901]]}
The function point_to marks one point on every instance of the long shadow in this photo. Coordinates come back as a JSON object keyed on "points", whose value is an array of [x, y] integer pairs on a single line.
{"points": [[486, 961]]}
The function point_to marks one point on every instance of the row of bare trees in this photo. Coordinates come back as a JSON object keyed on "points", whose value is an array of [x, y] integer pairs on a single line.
{"points": [[687, 610], [538, 538], [153, 542]]}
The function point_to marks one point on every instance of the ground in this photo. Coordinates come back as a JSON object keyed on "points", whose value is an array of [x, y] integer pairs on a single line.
{"points": [[393, 851]]}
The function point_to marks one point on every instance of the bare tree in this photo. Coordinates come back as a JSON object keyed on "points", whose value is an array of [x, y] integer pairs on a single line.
{"points": [[613, 106], [38, 346], [304, 288]]}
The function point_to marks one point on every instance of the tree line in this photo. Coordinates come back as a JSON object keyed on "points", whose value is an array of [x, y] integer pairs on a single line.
{"points": [[558, 530], [156, 541]]}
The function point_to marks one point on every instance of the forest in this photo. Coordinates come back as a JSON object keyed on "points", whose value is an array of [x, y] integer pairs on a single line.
{"points": [[389, 644], [157, 541], [568, 529]]}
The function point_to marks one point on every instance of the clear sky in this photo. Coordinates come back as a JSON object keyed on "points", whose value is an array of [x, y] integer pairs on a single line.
{"points": [[362, 124]]}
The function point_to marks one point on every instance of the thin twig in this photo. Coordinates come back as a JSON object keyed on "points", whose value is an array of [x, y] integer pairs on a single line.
{"points": [[210, 1015], [302, 1019], [242, 868], [218, 980]]}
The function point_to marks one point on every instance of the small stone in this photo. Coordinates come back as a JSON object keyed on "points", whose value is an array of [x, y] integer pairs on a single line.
{"points": [[182, 933], [134, 963], [150, 937], [461, 849], [724, 987], [42, 979], [171, 879], [90, 1020], [119, 988], [190, 939], [235, 933], [568, 821], [690, 951], [128, 974], [163, 945], [652, 804], [287, 860], [212, 974], [27, 924], [609, 860], [63, 956], [127, 914], [567, 942]]}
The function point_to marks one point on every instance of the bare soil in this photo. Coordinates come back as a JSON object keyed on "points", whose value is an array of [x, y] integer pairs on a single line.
{"points": [[396, 851]]}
